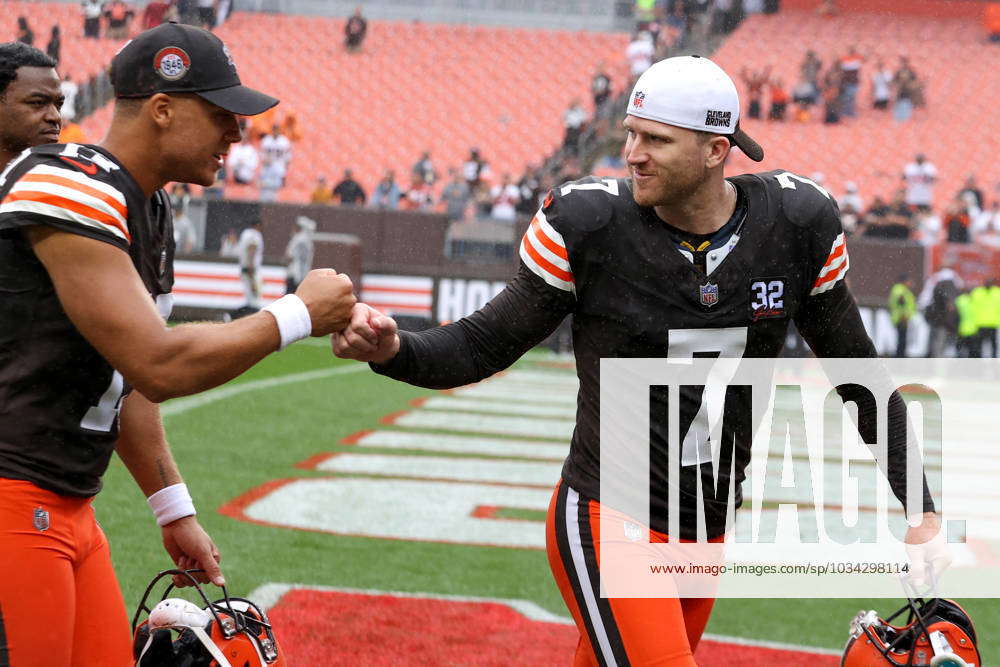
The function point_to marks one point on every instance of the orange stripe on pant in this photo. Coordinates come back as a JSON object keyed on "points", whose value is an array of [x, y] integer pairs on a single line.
{"points": [[624, 631], [59, 599]]}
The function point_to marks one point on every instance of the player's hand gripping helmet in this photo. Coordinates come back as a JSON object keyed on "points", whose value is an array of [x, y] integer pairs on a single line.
{"points": [[937, 633], [230, 632]]}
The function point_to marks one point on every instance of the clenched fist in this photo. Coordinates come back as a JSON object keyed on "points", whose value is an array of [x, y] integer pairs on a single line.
{"points": [[370, 336], [329, 296]]}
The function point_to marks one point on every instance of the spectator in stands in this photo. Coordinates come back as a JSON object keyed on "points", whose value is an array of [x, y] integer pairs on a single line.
{"points": [[92, 10], [349, 192], [957, 221], [271, 179], [70, 91], [972, 194], [902, 308], [991, 21], [809, 71], [890, 221], [54, 48], [206, 14], [905, 85], [529, 189], [851, 198], [881, 86], [155, 14], [850, 81], [455, 196], [222, 13], [290, 126], [920, 176], [475, 170], [424, 169], [386, 193], [574, 120], [832, 93], [482, 199], [276, 150], [321, 194], [118, 15], [926, 228], [418, 196], [185, 235], [505, 196], [779, 99], [986, 226], [874, 215], [600, 88], [299, 253], [851, 207], [755, 82], [804, 95], [639, 53], [355, 31], [243, 161], [726, 15]]}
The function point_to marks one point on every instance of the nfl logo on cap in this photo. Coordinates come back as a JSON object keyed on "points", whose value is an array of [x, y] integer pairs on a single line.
{"points": [[638, 99]]}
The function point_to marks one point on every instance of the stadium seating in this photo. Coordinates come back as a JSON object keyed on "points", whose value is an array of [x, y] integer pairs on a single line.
{"points": [[416, 87], [949, 54], [80, 58]]}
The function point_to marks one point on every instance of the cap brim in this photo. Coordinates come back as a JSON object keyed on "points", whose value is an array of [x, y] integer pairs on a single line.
{"points": [[750, 147], [239, 100]]}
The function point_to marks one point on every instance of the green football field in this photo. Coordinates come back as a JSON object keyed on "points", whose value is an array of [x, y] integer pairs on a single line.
{"points": [[302, 402]]}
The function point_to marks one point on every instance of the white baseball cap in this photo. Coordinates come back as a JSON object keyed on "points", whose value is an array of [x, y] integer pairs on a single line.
{"points": [[694, 93]]}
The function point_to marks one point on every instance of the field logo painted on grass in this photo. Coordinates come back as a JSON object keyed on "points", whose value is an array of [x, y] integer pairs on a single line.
{"points": [[320, 625], [469, 486]]}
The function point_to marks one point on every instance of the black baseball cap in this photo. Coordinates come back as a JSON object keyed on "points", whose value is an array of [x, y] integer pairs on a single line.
{"points": [[175, 58]]}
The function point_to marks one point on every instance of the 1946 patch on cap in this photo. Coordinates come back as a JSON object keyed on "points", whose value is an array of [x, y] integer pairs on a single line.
{"points": [[171, 63]]}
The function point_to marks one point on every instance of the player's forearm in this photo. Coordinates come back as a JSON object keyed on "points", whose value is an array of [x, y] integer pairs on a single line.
{"points": [[194, 357], [485, 342], [142, 446]]}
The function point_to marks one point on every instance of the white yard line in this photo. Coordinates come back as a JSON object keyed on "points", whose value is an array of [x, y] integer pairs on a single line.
{"points": [[455, 444], [182, 405]]}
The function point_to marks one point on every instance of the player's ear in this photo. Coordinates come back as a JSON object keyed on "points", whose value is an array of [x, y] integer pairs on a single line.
{"points": [[716, 151], [162, 109]]}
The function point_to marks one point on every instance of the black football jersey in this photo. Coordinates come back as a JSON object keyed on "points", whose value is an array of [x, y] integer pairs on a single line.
{"points": [[59, 398], [592, 252]]}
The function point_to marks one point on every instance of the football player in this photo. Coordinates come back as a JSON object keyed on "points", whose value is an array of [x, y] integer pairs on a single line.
{"points": [[30, 99], [86, 255], [676, 260]]}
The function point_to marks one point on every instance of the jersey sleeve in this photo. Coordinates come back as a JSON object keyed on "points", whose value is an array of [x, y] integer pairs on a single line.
{"points": [[485, 342], [543, 249], [69, 199]]}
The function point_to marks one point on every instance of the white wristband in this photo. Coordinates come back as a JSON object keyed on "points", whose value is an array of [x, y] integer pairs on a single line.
{"points": [[171, 503], [293, 319]]}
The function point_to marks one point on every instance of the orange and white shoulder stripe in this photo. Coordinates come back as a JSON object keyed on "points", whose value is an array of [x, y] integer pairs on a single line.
{"points": [[71, 196], [835, 268], [544, 252]]}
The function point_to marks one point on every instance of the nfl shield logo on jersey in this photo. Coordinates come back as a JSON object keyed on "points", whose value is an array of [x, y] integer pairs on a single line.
{"points": [[709, 294], [633, 531], [41, 519]]}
